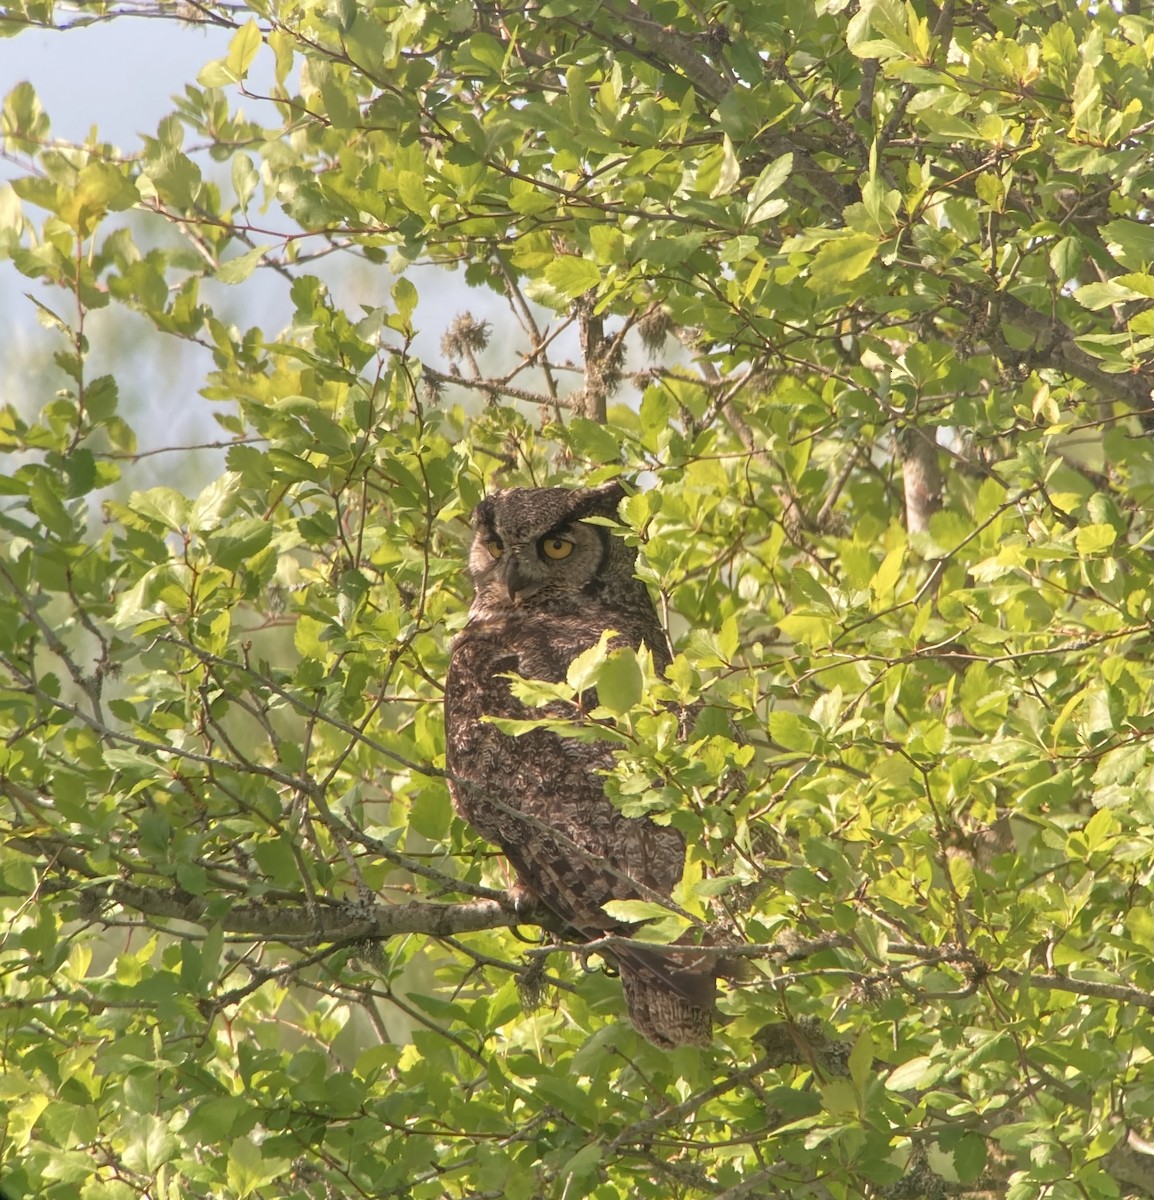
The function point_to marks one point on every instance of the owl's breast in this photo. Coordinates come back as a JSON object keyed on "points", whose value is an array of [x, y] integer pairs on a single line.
{"points": [[533, 770]]}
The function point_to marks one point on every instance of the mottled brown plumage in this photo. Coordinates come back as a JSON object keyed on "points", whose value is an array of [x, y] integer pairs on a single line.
{"points": [[547, 586]]}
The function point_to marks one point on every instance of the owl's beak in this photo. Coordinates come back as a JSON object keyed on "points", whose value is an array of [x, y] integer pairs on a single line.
{"points": [[518, 582]]}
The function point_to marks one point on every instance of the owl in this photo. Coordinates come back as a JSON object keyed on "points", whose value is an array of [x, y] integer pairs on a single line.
{"points": [[547, 585]]}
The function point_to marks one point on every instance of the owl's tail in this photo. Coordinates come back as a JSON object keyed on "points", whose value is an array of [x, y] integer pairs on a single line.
{"points": [[670, 995]]}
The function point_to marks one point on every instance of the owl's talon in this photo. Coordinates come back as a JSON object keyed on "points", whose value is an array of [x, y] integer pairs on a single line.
{"points": [[524, 904]]}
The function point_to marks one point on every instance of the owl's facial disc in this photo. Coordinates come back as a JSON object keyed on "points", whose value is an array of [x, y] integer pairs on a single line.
{"points": [[520, 567], [533, 548]]}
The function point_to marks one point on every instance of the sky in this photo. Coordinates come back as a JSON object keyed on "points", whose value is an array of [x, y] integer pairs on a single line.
{"points": [[120, 76]]}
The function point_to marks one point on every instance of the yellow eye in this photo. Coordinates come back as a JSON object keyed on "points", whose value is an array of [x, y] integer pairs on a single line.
{"points": [[493, 545], [556, 547]]}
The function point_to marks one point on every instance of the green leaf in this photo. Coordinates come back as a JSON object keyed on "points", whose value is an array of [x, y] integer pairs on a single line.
{"points": [[635, 910], [237, 541], [233, 68], [215, 74], [1096, 296], [728, 638], [1093, 539], [572, 276], [792, 731], [593, 441], [245, 178], [249, 1169], [861, 1061], [619, 681], [657, 409], [242, 49], [840, 260], [414, 193], [915, 1074], [730, 172], [583, 670], [215, 502], [70, 1124], [100, 188], [405, 298], [148, 1142], [1099, 829], [1067, 258], [238, 269], [608, 244], [1131, 243], [886, 578], [758, 204], [23, 121], [582, 1165], [970, 1157], [192, 878], [164, 505], [46, 502]]}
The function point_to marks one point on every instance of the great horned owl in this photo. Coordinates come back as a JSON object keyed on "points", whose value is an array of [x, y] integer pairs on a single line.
{"points": [[547, 586]]}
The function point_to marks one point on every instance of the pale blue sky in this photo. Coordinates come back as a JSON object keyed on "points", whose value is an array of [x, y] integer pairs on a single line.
{"points": [[120, 76]]}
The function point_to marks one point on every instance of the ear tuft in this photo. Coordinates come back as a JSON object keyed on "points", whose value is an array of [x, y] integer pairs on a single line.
{"points": [[606, 497]]}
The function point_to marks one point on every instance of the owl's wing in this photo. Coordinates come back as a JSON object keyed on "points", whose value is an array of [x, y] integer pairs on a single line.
{"points": [[540, 796]]}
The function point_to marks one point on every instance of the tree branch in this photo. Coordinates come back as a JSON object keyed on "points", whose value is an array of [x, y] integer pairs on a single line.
{"points": [[672, 48], [327, 921], [492, 387], [1078, 987], [921, 475], [1055, 347]]}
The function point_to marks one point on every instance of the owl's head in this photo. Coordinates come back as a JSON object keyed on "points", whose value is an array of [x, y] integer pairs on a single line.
{"points": [[532, 547]]}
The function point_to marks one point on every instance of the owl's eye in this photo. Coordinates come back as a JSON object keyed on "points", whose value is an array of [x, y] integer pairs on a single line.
{"points": [[493, 545], [556, 547]]}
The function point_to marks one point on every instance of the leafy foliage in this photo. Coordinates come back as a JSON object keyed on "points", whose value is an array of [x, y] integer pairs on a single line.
{"points": [[893, 263]]}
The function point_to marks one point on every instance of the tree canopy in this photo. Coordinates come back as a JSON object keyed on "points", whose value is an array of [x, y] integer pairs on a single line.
{"points": [[858, 297]]}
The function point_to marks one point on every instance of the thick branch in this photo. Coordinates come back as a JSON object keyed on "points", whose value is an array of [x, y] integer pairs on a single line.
{"points": [[673, 48], [1121, 992], [921, 476], [1056, 346], [593, 396], [668, 47], [327, 921]]}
